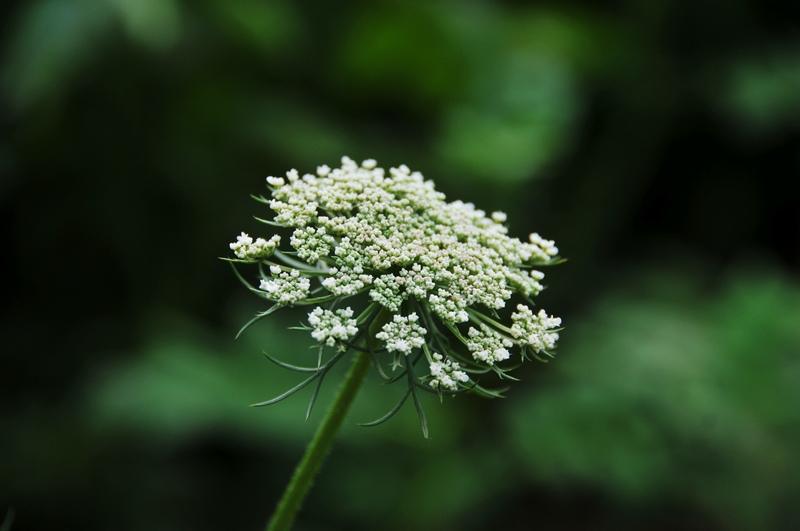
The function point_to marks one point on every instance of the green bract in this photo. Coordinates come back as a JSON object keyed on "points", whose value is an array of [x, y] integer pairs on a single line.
{"points": [[428, 279]]}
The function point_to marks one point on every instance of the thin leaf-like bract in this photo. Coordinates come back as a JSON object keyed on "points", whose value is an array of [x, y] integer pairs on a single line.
{"points": [[503, 374], [390, 414], [489, 393], [290, 392], [320, 372], [314, 395], [258, 317], [288, 260], [261, 199], [285, 365], [257, 291], [417, 404], [268, 222], [377, 363]]}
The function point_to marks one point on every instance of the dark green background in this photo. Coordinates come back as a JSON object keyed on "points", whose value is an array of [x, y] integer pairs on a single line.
{"points": [[657, 143]]}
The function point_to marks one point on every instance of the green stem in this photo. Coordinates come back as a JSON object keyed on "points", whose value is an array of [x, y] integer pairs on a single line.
{"points": [[319, 446]]}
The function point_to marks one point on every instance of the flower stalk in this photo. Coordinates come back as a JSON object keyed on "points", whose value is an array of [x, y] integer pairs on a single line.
{"points": [[320, 446]]}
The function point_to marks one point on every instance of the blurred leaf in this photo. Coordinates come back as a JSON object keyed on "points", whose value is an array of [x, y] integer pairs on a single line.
{"points": [[760, 92], [294, 129], [154, 23], [676, 398], [519, 125], [269, 27], [180, 385], [586, 40], [439, 486], [521, 102], [53, 41], [404, 54]]}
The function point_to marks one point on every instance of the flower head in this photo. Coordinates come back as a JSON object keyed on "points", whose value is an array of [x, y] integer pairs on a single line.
{"points": [[445, 374], [429, 274], [246, 249], [402, 334], [329, 326]]}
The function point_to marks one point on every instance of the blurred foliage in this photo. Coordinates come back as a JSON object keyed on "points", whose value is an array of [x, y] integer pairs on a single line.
{"points": [[665, 395], [657, 143], [762, 90]]}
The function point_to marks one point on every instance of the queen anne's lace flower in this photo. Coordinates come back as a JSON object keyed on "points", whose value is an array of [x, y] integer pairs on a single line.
{"points": [[329, 326], [535, 331], [286, 287], [246, 249], [488, 345], [445, 374], [312, 244], [402, 334], [435, 274]]}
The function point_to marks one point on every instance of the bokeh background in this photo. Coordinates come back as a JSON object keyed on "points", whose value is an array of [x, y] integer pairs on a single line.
{"points": [[657, 143]]}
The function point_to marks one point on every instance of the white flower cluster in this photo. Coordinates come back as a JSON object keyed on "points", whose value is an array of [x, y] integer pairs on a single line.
{"points": [[535, 331], [446, 374], [396, 234], [348, 282], [286, 287], [246, 249], [402, 333], [393, 237], [548, 246], [330, 326], [488, 345], [312, 244]]}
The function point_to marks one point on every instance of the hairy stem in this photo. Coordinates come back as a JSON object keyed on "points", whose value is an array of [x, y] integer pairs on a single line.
{"points": [[319, 446]]}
